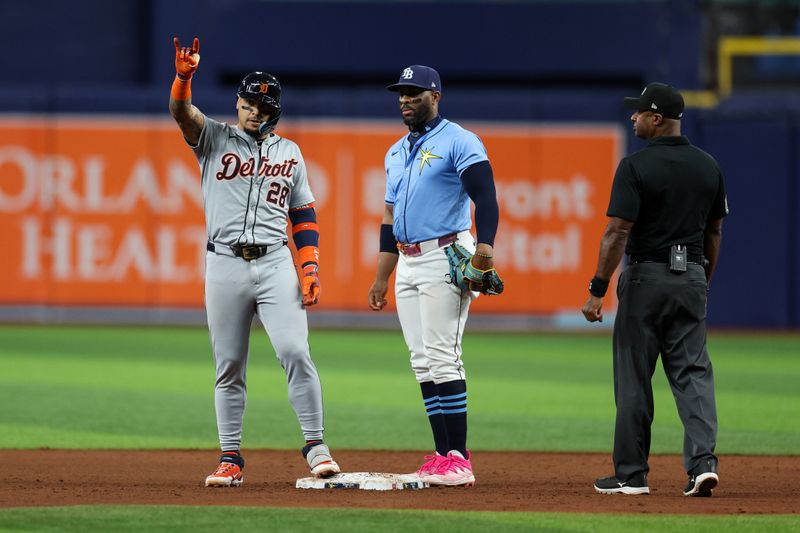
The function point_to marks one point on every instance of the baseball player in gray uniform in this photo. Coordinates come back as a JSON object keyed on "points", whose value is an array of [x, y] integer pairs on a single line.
{"points": [[252, 181]]}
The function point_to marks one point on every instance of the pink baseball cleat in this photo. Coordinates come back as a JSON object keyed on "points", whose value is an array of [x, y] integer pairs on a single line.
{"points": [[432, 464], [454, 470]]}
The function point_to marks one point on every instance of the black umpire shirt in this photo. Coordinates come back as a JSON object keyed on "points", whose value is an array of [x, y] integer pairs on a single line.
{"points": [[669, 189]]}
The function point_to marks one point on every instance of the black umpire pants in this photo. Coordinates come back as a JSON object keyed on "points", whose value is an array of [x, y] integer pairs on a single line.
{"points": [[661, 312]]}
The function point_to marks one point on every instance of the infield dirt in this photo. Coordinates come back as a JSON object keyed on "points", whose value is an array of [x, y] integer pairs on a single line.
{"points": [[506, 481]]}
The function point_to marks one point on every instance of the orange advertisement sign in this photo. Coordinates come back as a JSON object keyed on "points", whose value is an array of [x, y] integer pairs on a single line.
{"points": [[109, 211]]}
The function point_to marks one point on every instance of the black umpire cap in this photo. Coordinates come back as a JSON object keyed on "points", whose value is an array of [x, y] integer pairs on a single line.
{"points": [[659, 98]]}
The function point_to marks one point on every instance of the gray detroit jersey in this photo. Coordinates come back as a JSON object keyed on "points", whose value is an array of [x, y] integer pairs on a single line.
{"points": [[248, 190]]}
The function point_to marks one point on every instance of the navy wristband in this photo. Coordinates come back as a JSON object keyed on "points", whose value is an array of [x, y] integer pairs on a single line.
{"points": [[598, 287], [388, 242]]}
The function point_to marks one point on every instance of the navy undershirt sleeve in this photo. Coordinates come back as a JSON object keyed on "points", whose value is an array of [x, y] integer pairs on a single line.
{"points": [[478, 180]]}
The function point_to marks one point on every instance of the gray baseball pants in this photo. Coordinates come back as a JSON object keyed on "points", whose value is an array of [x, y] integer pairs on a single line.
{"points": [[236, 290], [661, 312]]}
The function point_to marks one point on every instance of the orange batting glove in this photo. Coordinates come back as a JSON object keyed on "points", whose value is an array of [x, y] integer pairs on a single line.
{"points": [[186, 59], [310, 284]]}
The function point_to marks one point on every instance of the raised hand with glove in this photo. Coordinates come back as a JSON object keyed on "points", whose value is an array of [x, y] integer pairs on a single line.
{"points": [[186, 59], [186, 62], [188, 117]]}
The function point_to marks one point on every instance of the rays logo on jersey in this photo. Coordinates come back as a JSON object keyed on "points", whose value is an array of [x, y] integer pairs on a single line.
{"points": [[425, 157]]}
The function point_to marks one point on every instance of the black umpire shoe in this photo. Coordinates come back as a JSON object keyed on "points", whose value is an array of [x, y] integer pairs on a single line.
{"points": [[702, 479], [636, 484]]}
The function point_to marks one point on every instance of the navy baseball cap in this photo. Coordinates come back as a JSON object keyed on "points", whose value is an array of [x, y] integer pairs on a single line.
{"points": [[418, 76], [658, 98]]}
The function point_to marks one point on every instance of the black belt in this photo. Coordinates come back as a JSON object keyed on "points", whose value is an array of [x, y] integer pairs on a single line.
{"points": [[663, 258], [248, 252]]}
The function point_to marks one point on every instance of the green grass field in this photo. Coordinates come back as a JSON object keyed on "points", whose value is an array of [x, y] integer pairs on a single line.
{"points": [[93, 387], [152, 388], [170, 519]]}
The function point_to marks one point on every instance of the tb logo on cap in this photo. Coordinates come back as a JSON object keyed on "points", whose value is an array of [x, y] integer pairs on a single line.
{"points": [[408, 74]]}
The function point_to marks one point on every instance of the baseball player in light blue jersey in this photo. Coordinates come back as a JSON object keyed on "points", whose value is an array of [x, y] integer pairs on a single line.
{"points": [[253, 181], [432, 173]]}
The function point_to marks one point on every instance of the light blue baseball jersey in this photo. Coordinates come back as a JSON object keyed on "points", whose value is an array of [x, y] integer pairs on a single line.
{"points": [[423, 182]]}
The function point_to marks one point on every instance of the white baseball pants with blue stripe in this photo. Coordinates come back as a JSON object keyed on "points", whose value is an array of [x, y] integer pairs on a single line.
{"points": [[433, 313]]}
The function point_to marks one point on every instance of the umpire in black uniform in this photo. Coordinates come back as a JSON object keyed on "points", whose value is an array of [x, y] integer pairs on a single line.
{"points": [[667, 205]]}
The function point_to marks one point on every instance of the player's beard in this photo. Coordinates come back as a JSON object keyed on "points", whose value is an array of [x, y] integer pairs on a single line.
{"points": [[253, 132], [419, 117]]}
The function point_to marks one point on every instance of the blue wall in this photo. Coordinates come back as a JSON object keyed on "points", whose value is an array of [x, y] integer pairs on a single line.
{"points": [[130, 41], [468, 40], [502, 61], [757, 282]]}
